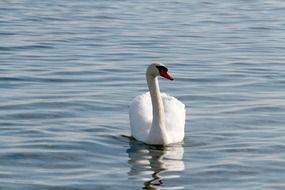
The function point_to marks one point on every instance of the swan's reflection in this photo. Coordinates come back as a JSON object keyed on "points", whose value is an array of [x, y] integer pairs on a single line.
{"points": [[153, 164]]}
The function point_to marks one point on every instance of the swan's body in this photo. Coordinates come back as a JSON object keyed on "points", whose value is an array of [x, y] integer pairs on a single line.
{"points": [[157, 118]]}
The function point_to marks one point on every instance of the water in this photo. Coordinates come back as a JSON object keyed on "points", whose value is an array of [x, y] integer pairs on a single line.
{"points": [[69, 69]]}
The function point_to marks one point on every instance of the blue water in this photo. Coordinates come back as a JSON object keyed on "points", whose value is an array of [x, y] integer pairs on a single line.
{"points": [[69, 70]]}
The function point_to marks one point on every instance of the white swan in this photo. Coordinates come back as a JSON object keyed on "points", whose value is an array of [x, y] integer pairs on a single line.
{"points": [[157, 118]]}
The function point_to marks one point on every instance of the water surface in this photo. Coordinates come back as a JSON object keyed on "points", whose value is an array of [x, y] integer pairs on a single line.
{"points": [[69, 70]]}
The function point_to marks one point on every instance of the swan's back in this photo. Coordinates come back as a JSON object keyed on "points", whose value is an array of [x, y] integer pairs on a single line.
{"points": [[174, 116], [141, 117]]}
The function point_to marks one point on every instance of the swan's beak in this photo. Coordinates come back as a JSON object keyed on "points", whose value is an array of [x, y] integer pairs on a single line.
{"points": [[166, 75]]}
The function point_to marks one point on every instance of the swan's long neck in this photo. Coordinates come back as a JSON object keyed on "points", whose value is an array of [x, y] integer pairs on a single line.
{"points": [[157, 134]]}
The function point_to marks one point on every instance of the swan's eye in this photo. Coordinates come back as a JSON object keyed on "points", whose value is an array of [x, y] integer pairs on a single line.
{"points": [[162, 68]]}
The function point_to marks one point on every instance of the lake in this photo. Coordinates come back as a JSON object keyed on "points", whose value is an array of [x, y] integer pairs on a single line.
{"points": [[69, 70]]}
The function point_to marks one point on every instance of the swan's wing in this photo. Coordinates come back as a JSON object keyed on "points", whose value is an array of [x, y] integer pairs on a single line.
{"points": [[175, 116], [141, 116]]}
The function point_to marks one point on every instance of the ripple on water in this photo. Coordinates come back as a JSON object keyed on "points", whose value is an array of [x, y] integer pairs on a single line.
{"points": [[70, 69]]}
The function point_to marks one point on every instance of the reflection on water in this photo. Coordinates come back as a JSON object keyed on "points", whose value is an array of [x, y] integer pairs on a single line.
{"points": [[69, 70], [156, 166]]}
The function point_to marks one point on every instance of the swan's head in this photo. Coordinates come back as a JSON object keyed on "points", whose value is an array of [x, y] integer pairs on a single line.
{"points": [[158, 69]]}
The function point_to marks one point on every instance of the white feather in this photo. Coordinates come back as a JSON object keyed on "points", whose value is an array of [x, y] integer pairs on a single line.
{"points": [[157, 118], [141, 116]]}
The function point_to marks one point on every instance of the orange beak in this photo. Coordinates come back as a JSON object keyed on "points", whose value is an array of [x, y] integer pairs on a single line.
{"points": [[166, 75]]}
